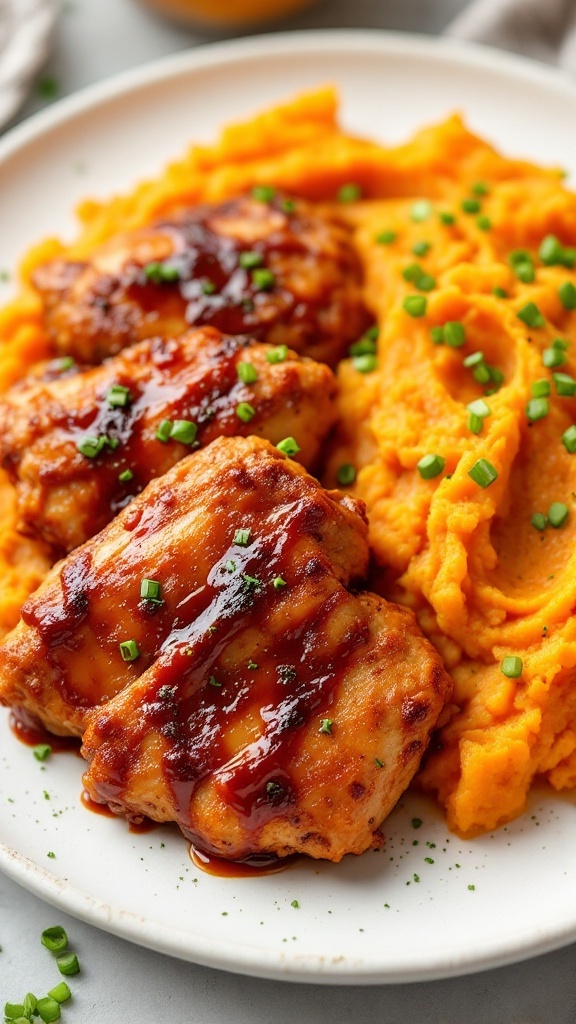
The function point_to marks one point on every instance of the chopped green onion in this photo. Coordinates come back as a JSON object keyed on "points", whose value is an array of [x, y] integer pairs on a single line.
{"points": [[386, 237], [420, 211], [479, 408], [553, 253], [230, 565], [500, 293], [420, 248], [66, 363], [565, 384], [539, 521], [161, 273], [13, 1010], [163, 431], [278, 583], [541, 388], [483, 222], [263, 279], [242, 537], [480, 188], [90, 447], [55, 939], [475, 359], [278, 354], [415, 305], [363, 347], [129, 650], [537, 409], [454, 334], [251, 664], [519, 256], [531, 315], [366, 363], [512, 667], [552, 357], [250, 260], [560, 343], [288, 205], [346, 474], [289, 447], [125, 476], [68, 964], [263, 193], [118, 395], [151, 590], [245, 412], [567, 295], [430, 466], [483, 473], [558, 514], [326, 726], [481, 373], [30, 1002], [60, 992], [349, 193], [475, 423], [425, 283], [412, 272], [48, 1009], [184, 431], [214, 682], [208, 287], [525, 272], [251, 581], [41, 751], [496, 376], [569, 439], [247, 373], [470, 206], [448, 219], [437, 335]]}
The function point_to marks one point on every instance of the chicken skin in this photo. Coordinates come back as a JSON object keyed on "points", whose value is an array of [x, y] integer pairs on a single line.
{"points": [[275, 270], [79, 445], [256, 699]]}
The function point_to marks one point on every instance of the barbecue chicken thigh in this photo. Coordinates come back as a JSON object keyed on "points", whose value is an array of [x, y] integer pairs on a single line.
{"points": [[79, 445], [276, 270], [262, 703]]}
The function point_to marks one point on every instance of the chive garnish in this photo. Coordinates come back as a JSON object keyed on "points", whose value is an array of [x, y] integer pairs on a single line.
{"points": [[41, 751], [346, 474], [55, 939], [349, 193], [242, 537], [430, 466], [129, 650], [386, 237], [250, 260], [289, 446], [531, 315], [326, 726], [415, 305], [151, 590], [512, 666], [558, 514], [245, 412], [483, 473], [263, 279], [277, 354], [247, 373]]}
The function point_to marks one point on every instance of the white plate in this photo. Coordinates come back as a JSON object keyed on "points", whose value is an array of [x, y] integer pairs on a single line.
{"points": [[384, 917]]}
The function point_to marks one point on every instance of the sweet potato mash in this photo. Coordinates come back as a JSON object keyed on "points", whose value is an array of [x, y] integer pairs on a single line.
{"points": [[457, 425]]}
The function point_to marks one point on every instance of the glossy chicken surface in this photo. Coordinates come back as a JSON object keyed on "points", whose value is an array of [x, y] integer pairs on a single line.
{"points": [[276, 270], [80, 443], [268, 707]]}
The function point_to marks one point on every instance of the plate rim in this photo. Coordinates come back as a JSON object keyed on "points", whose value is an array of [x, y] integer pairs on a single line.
{"points": [[220, 953], [172, 66]]}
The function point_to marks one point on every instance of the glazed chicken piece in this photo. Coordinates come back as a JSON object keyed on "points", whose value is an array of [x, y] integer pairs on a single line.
{"points": [[264, 705], [276, 270], [80, 445]]}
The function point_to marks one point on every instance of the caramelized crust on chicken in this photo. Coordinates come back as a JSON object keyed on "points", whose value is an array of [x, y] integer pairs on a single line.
{"points": [[80, 445], [267, 708], [276, 270]]}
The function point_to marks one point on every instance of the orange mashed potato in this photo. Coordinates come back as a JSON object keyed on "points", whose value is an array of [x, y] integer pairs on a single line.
{"points": [[441, 220]]}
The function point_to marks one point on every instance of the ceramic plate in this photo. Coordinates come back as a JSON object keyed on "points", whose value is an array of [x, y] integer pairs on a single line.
{"points": [[428, 905]]}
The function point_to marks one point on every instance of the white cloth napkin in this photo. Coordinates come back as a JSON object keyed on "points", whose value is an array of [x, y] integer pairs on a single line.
{"points": [[545, 29]]}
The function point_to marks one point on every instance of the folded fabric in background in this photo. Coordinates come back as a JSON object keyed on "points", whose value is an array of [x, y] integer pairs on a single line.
{"points": [[544, 29]]}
